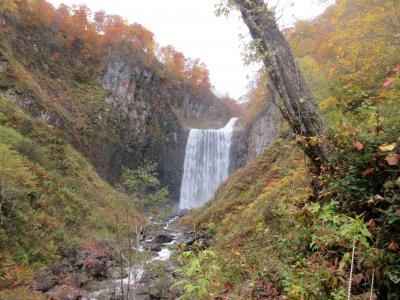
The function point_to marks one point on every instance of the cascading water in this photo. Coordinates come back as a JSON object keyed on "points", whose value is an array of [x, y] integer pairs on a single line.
{"points": [[206, 164]]}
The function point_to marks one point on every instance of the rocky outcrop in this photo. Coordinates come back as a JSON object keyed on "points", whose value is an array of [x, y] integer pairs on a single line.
{"points": [[162, 238], [68, 277], [199, 239], [144, 123], [156, 282], [127, 120], [67, 292], [156, 243], [252, 141]]}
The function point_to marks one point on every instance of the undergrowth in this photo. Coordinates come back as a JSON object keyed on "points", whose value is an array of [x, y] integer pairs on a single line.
{"points": [[51, 197], [273, 241]]}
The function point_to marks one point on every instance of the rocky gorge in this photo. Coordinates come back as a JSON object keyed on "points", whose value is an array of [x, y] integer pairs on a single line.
{"points": [[96, 273]]}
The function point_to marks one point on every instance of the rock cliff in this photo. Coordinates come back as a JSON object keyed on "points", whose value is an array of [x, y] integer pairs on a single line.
{"points": [[146, 126], [251, 141]]}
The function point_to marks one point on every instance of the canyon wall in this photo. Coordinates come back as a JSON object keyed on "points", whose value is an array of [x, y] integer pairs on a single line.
{"points": [[252, 140]]}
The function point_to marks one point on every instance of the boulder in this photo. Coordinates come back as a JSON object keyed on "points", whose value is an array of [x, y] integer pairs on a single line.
{"points": [[201, 237], [117, 273], [162, 238], [188, 238], [66, 292], [61, 267], [45, 282], [96, 268], [153, 247], [156, 282], [75, 280]]}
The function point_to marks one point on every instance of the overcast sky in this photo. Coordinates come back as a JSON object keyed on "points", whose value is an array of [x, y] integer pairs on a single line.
{"points": [[192, 28]]}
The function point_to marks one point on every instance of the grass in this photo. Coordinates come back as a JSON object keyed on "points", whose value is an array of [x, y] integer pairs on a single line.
{"points": [[53, 198]]}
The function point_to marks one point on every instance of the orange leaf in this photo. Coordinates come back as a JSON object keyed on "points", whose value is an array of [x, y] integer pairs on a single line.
{"points": [[358, 145], [370, 202], [393, 159], [369, 171], [372, 223]]}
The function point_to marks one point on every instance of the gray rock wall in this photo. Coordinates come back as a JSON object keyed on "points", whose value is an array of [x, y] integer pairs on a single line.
{"points": [[263, 132], [147, 128], [250, 142]]}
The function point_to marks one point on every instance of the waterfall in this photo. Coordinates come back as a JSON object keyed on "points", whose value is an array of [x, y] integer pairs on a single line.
{"points": [[206, 164]]}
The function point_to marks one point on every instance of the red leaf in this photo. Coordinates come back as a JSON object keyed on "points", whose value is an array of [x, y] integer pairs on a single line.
{"points": [[397, 69], [394, 247], [358, 145], [12, 75], [389, 81], [368, 171], [90, 262]]}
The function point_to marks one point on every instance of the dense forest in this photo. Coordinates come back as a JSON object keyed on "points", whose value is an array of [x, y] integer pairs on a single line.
{"points": [[96, 122]]}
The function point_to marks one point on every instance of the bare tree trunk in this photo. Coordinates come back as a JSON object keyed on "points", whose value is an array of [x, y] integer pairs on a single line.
{"points": [[289, 90]]}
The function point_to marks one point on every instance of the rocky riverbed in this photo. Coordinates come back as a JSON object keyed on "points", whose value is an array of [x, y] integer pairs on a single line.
{"points": [[95, 273]]}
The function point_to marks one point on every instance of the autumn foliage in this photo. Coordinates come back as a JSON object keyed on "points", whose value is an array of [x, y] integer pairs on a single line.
{"points": [[88, 39]]}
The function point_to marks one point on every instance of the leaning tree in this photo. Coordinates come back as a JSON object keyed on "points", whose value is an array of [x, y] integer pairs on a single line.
{"points": [[287, 86]]}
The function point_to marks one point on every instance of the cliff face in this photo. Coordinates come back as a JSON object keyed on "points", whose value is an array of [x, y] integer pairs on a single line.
{"points": [[198, 113], [119, 116], [145, 124], [263, 132], [249, 142]]}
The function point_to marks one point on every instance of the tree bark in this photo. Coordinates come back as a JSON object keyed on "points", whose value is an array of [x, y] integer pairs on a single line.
{"points": [[287, 85]]}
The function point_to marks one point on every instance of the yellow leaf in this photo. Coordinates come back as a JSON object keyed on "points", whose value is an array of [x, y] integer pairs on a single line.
{"points": [[387, 147]]}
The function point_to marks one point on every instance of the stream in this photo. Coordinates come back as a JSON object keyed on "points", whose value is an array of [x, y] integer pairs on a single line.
{"points": [[134, 277]]}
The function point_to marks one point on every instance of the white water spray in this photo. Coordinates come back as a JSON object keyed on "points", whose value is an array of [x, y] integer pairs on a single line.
{"points": [[206, 164]]}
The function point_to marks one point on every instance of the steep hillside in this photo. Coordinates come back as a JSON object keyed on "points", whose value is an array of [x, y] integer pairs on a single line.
{"points": [[271, 240], [51, 197]]}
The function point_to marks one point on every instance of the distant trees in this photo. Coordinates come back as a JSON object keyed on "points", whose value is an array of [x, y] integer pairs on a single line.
{"points": [[232, 106], [87, 40], [191, 73], [89, 37], [174, 62], [356, 42], [9, 6]]}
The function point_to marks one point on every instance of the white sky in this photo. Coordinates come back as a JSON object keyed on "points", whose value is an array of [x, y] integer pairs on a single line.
{"points": [[192, 28]]}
